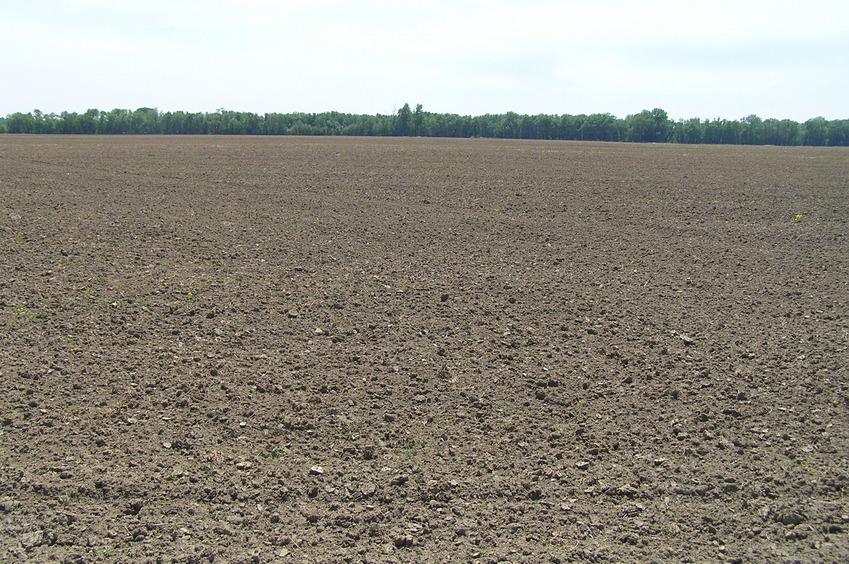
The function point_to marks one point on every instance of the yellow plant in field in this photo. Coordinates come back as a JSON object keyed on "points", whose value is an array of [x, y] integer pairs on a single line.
{"points": [[799, 217]]}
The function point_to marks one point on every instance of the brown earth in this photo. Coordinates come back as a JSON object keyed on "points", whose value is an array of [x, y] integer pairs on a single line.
{"points": [[421, 350]]}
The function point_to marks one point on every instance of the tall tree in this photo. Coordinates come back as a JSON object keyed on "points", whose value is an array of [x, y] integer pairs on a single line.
{"points": [[418, 119], [816, 132], [838, 133], [753, 130], [402, 122], [641, 127]]}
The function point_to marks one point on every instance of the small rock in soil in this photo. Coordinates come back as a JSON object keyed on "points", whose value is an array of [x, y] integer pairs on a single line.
{"points": [[403, 541], [789, 518], [32, 540]]}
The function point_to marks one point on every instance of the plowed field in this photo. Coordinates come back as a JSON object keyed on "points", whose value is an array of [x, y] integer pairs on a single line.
{"points": [[422, 350]]}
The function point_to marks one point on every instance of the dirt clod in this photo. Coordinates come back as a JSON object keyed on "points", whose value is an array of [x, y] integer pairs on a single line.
{"points": [[790, 518]]}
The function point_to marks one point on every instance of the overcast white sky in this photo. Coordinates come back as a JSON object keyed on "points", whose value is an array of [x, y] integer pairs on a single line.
{"points": [[707, 59]]}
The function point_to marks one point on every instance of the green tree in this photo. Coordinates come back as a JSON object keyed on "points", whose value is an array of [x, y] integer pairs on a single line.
{"points": [[599, 127], [641, 127], [662, 125], [402, 122], [39, 123], [753, 130], [690, 131], [418, 120], [569, 127], [649, 126], [784, 132], [732, 133], [301, 128], [145, 121], [838, 133], [87, 122], [816, 132], [510, 126], [713, 131], [484, 126], [67, 122], [20, 123]]}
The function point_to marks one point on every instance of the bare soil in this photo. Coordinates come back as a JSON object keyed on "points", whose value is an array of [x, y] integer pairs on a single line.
{"points": [[420, 350]]}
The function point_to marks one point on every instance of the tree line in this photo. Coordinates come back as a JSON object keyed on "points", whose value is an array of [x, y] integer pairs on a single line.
{"points": [[648, 126]]}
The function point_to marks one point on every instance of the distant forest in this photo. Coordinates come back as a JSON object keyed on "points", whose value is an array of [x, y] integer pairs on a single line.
{"points": [[648, 126]]}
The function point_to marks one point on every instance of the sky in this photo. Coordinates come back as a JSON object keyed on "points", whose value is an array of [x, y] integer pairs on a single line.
{"points": [[707, 59]]}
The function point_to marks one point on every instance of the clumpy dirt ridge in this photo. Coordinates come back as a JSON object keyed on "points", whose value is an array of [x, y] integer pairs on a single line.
{"points": [[420, 350]]}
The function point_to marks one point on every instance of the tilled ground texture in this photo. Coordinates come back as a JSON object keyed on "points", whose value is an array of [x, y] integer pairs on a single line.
{"points": [[398, 350]]}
